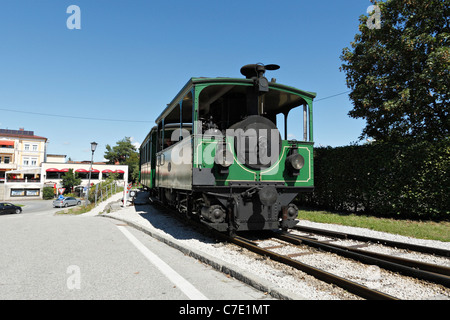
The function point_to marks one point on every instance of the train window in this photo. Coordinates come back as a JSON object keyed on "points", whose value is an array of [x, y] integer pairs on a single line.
{"points": [[186, 109], [143, 153], [297, 126], [221, 106], [280, 125], [181, 112], [160, 136], [180, 117], [173, 116], [174, 133]]}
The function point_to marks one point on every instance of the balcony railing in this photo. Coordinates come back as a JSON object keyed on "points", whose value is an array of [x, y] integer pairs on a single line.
{"points": [[22, 181], [7, 150], [11, 166]]}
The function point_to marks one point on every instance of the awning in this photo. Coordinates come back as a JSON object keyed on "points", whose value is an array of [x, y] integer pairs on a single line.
{"points": [[81, 170], [119, 171], [6, 143], [95, 171], [107, 171], [52, 170], [64, 170]]}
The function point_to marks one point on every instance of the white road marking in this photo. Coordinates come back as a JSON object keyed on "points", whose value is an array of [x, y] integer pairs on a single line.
{"points": [[15, 216], [185, 286]]}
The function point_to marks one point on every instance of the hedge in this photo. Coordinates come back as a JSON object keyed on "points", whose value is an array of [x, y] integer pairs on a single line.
{"points": [[391, 180]]}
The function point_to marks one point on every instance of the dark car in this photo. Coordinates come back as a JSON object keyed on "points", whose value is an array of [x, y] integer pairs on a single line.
{"points": [[6, 207]]}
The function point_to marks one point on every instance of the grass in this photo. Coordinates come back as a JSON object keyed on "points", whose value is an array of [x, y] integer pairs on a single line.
{"points": [[417, 229], [77, 209]]}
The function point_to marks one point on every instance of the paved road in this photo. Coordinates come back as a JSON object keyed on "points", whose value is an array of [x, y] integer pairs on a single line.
{"points": [[36, 206], [43, 256]]}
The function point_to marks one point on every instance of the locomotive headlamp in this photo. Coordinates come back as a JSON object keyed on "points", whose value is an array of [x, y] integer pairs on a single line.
{"points": [[296, 161]]}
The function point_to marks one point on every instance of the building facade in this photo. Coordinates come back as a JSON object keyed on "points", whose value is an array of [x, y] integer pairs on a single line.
{"points": [[21, 156], [52, 172], [25, 167]]}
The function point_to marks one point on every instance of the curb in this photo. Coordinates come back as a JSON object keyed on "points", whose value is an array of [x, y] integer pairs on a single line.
{"points": [[222, 266]]}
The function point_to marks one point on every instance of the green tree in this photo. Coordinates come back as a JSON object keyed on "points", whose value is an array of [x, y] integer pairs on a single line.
{"points": [[133, 166], [70, 179], [121, 152], [398, 71], [125, 153]]}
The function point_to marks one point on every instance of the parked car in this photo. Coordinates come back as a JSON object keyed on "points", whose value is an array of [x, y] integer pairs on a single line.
{"points": [[6, 207], [65, 202]]}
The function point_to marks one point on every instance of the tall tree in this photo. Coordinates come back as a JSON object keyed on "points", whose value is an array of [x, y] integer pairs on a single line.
{"points": [[124, 152], [398, 70]]}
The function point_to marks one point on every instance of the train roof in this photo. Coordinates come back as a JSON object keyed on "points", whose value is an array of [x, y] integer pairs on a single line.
{"points": [[228, 81]]}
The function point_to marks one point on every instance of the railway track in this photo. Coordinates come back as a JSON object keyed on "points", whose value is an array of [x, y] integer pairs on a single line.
{"points": [[395, 244], [348, 285], [416, 269]]}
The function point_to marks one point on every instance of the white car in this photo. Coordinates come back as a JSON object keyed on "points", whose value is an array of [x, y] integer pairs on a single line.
{"points": [[65, 202]]}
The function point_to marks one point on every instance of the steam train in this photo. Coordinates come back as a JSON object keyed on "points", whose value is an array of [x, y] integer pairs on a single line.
{"points": [[216, 152]]}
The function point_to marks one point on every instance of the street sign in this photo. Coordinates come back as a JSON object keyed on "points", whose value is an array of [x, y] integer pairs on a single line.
{"points": [[61, 190]]}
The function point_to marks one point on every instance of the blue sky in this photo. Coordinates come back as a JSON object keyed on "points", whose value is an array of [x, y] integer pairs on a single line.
{"points": [[130, 58]]}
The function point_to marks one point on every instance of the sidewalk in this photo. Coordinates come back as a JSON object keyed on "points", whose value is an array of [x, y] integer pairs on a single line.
{"points": [[102, 205], [167, 229]]}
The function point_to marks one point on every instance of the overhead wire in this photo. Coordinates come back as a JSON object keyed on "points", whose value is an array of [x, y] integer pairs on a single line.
{"points": [[335, 95], [118, 120], [72, 117]]}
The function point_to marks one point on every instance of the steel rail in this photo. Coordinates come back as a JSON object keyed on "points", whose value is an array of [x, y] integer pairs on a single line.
{"points": [[390, 243], [348, 285], [404, 266]]}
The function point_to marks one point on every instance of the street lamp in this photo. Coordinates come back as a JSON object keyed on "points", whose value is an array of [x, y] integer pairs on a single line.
{"points": [[93, 147]]}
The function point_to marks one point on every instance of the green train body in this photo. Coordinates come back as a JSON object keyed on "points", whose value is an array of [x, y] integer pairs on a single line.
{"points": [[217, 153]]}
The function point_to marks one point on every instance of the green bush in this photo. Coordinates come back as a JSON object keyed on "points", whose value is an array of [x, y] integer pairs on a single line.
{"points": [[48, 193], [391, 180]]}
